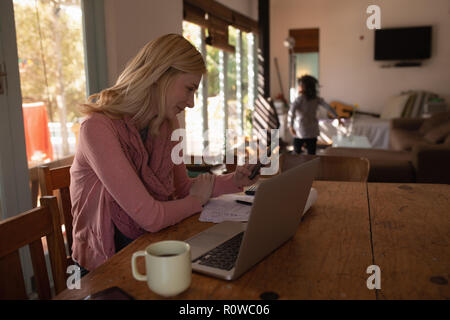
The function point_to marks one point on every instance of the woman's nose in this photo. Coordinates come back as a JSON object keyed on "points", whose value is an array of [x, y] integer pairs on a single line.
{"points": [[190, 102]]}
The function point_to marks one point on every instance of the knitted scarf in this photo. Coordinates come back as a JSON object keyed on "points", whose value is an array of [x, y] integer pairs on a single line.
{"points": [[152, 162]]}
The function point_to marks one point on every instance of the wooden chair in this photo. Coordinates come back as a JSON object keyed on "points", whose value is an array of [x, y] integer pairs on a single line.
{"points": [[58, 179], [331, 168], [27, 229], [34, 178], [34, 185]]}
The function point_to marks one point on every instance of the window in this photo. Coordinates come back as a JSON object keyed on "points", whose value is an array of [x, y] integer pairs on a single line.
{"points": [[52, 77], [226, 96], [194, 123]]}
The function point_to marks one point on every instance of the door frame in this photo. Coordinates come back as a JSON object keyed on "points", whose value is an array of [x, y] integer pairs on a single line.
{"points": [[15, 193]]}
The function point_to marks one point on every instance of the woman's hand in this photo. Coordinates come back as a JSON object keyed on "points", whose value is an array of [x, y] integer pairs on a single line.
{"points": [[202, 187], [241, 175]]}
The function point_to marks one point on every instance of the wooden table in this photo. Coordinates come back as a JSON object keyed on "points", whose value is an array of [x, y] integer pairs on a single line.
{"points": [[402, 228]]}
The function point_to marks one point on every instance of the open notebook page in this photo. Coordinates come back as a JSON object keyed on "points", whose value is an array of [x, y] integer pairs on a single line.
{"points": [[225, 207]]}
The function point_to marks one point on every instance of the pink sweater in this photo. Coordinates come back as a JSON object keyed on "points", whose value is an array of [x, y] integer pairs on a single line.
{"points": [[101, 172]]}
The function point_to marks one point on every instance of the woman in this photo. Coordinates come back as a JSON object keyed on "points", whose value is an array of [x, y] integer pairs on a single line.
{"points": [[302, 119], [123, 180]]}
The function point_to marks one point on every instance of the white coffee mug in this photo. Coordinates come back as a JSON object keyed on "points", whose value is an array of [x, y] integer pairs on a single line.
{"points": [[168, 267]]}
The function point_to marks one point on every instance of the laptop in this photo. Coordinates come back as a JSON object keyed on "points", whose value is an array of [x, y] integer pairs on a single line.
{"points": [[230, 248]]}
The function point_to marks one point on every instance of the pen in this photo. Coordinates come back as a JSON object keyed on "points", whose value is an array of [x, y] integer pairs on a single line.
{"points": [[244, 202], [255, 171]]}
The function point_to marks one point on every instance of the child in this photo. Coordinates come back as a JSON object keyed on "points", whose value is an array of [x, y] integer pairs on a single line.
{"points": [[302, 119]]}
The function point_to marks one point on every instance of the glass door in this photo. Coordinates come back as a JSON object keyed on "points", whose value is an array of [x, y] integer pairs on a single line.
{"points": [[226, 94], [53, 83], [303, 64]]}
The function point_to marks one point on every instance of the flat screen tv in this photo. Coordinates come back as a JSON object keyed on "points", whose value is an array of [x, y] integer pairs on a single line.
{"points": [[411, 43]]}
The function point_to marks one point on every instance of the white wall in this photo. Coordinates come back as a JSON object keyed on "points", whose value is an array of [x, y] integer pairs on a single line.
{"points": [[348, 71], [131, 24]]}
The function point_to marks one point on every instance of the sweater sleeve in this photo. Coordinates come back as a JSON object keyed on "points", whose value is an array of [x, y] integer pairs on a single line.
{"points": [[328, 107], [223, 183], [291, 114], [101, 148]]}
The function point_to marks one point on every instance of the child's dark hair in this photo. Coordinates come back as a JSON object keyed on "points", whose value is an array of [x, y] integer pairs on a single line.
{"points": [[309, 86]]}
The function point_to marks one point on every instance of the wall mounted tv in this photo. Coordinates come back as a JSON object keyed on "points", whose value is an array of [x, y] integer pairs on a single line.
{"points": [[411, 43]]}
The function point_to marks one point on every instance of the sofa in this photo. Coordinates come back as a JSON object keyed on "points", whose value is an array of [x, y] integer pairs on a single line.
{"points": [[419, 151], [405, 133]]}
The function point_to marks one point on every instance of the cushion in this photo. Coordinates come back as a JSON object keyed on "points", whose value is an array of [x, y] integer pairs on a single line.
{"points": [[403, 139], [394, 107], [433, 121], [408, 109], [438, 133]]}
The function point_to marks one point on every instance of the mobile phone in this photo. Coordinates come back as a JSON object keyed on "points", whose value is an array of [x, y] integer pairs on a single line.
{"points": [[113, 293]]}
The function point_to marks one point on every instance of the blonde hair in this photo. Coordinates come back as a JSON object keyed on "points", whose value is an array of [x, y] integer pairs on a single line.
{"points": [[143, 84]]}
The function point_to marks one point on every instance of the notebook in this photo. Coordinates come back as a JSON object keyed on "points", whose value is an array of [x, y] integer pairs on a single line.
{"points": [[237, 207]]}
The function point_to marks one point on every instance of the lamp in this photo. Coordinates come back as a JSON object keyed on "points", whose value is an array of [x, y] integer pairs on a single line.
{"points": [[289, 43]]}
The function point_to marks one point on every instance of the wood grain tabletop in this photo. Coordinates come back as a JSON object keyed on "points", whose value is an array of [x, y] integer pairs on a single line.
{"points": [[402, 228]]}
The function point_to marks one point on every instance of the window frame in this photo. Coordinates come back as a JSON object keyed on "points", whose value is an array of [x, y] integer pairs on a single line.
{"points": [[15, 193], [94, 45], [14, 174], [252, 80]]}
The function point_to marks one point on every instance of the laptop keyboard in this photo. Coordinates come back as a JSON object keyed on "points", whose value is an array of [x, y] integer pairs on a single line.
{"points": [[223, 256]]}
